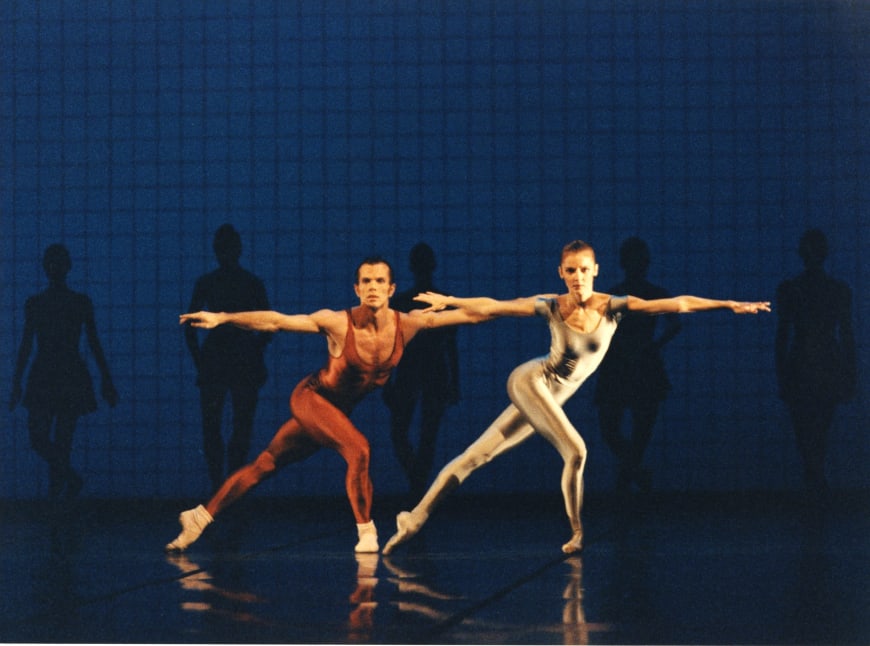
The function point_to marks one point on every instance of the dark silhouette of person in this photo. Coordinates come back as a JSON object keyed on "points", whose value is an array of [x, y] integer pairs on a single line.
{"points": [[427, 375], [59, 388], [632, 377], [230, 360], [815, 354]]}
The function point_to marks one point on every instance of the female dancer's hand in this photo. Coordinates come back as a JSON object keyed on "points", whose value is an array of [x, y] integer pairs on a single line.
{"points": [[437, 302], [739, 307]]}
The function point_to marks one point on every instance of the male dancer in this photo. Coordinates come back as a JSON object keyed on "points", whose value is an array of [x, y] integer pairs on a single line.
{"points": [[365, 343], [582, 322]]}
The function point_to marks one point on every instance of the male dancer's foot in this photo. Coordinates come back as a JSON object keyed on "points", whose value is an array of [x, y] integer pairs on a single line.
{"points": [[408, 524], [193, 523], [575, 544], [368, 538]]}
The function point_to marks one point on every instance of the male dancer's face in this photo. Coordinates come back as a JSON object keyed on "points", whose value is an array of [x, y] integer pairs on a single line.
{"points": [[578, 270], [373, 286]]}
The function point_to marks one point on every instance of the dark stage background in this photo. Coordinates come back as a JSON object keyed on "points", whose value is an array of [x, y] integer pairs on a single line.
{"points": [[496, 131]]}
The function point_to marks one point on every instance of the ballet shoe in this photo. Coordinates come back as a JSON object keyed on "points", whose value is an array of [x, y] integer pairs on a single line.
{"points": [[407, 525], [368, 538], [193, 523], [575, 544]]}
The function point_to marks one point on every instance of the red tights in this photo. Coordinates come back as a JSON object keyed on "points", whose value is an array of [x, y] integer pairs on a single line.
{"points": [[315, 424]]}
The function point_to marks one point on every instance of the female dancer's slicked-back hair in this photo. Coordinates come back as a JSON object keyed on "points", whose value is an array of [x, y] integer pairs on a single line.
{"points": [[575, 246]]}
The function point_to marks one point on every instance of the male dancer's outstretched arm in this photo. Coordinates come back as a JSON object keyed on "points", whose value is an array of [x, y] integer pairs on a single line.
{"points": [[365, 343]]}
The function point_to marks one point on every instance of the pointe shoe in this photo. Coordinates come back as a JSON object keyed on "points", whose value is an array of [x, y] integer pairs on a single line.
{"points": [[193, 523], [575, 544], [408, 525], [368, 538]]}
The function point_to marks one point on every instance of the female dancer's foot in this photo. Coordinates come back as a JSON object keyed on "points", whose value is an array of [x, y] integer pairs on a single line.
{"points": [[575, 544], [408, 524]]}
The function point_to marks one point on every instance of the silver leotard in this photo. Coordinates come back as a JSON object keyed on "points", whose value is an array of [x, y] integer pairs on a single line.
{"points": [[575, 355], [538, 388]]}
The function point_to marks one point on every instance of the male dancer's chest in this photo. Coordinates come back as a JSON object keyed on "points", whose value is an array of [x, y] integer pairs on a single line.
{"points": [[374, 346]]}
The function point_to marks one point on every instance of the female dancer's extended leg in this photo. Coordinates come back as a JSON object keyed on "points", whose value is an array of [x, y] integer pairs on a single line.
{"points": [[529, 387], [508, 430]]}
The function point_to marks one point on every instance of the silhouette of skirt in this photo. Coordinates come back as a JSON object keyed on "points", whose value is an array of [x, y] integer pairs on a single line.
{"points": [[60, 386]]}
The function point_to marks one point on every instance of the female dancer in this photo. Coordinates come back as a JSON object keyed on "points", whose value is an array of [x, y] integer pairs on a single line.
{"points": [[582, 322]]}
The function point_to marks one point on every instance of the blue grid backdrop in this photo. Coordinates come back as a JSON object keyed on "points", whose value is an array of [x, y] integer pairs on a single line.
{"points": [[496, 130]]}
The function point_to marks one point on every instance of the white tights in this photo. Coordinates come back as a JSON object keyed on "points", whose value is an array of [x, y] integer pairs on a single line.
{"points": [[537, 401]]}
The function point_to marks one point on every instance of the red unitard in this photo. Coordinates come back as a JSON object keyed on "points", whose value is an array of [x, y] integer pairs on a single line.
{"points": [[321, 404]]}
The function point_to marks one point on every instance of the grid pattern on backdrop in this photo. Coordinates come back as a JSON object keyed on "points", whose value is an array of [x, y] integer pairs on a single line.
{"points": [[496, 131]]}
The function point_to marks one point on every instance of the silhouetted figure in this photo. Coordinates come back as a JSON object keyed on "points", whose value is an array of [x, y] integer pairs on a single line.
{"points": [[428, 375], [632, 377], [815, 354], [59, 387], [230, 360]]}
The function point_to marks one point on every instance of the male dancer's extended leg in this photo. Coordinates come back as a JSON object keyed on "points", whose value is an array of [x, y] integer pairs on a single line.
{"points": [[507, 431], [290, 444], [540, 401]]}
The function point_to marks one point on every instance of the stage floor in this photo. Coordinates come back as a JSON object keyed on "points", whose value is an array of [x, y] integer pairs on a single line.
{"points": [[485, 570]]}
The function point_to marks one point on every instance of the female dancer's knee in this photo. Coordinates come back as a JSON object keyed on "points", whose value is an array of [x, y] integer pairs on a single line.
{"points": [[464, 465], [574, 457]]}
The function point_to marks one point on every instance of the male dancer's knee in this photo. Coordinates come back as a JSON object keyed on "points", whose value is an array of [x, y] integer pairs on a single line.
{"points": [[264, 465], [359, 458]]}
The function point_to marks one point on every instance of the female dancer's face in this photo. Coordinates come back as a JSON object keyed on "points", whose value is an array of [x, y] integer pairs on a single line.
{"points": [[578, 270]]}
